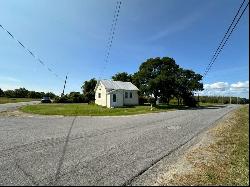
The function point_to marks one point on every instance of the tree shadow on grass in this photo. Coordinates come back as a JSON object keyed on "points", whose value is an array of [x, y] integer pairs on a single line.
{"points": [[183, 107], [171, 106]]}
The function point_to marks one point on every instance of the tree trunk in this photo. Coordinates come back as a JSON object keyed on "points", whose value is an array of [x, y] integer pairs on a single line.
{"points": [[155, 99], [167, 101]]}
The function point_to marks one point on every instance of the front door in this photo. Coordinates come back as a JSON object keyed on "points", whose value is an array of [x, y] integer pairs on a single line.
{"points": [[114, 98]]}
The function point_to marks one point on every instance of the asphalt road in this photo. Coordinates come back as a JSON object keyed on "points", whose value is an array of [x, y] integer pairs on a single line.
{"points": [[39, 150], [13, 106]]}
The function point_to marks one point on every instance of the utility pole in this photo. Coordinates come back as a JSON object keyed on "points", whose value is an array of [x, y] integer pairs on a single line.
{"points": [[64, 85], [237, 99], [230, 100]]}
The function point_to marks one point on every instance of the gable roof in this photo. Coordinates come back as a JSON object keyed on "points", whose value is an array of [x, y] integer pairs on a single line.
{"points": [[117, 85]]}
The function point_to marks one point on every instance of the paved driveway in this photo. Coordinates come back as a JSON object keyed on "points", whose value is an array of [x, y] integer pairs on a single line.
{"points": [[50, 150]]}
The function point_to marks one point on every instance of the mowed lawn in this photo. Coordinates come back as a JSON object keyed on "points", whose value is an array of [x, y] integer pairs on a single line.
{"points": [[92, 110], [4, 100]]}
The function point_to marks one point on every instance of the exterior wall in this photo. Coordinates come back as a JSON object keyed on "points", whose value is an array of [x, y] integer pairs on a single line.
{"points": [[119, 98], [107, 99], [131, 101], [103, 100]]}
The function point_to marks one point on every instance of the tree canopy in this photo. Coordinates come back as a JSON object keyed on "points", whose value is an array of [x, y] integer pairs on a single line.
{"points": [[88, 89], [123, 76], [24, 93], [1, 92], [163, 78]]}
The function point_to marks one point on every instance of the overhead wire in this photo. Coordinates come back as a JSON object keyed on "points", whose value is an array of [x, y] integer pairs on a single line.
{"points": [[111, 36], [31, 53], [225, 38]]}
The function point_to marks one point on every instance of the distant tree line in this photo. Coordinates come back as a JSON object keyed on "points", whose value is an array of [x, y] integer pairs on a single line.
{"points": [[222, 99], [24, 93]]}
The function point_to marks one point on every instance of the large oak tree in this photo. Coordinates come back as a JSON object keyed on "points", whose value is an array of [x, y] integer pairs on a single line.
{"points": [[163, 78]]}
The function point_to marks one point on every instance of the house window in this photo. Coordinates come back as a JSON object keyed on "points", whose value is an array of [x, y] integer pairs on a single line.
{"points": [[126, 94], [130, 94], [99, 95], [114, 98]]}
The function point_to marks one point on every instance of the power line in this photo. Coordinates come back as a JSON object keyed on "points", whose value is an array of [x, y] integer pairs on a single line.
{"points": [[224, 37], [222, 43], [31, 53], [111, 35], [219, 49]]}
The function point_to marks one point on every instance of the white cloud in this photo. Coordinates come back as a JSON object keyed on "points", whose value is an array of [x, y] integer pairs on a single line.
{"points": [[179, 25], [222, 86], [240, 89], [9, 79], [182, 23], [9, 86], [240, 85]]}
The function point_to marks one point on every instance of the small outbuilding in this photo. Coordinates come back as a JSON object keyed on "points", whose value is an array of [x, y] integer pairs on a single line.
{"points": [[116, 93]]}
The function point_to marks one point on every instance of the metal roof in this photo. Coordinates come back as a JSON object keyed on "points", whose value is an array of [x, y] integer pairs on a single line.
{"points": [[109, 84]]}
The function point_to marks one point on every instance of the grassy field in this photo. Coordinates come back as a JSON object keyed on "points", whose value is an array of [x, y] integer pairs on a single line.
{"points": [[223, 161], [4, 100], [209, 104], [92, 110], [235, 141]]}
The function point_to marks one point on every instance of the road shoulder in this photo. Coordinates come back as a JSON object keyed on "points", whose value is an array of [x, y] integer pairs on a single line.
{"points": [[203, 161]]}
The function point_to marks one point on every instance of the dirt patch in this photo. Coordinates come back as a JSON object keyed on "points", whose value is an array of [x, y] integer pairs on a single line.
{"points": [[19, 113], [15, 113]]}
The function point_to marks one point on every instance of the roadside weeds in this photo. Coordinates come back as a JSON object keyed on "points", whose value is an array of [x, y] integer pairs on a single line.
{"points": [[220, 158]]}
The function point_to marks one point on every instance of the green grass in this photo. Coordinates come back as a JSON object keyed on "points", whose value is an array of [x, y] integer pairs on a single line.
{"points": [[237, 139], [92, 110], [208, 104], [4, 100], [231, 163]]}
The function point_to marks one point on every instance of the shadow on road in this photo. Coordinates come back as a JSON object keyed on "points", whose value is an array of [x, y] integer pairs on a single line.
{"points": [[63, 154], [189, 108]]}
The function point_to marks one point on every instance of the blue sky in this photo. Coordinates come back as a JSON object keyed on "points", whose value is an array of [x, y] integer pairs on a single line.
{"points": [[71, 37]]}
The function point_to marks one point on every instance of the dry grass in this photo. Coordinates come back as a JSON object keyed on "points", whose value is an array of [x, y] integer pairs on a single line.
{"points": [[222, 160]]}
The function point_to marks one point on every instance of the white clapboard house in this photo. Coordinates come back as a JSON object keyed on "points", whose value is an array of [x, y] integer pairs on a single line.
{"points": [[116, 93]]}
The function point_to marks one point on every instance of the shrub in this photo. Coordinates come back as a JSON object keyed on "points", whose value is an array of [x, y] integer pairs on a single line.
{"points": [[190, 101], [73, 97], [142, 100], [63, 99]]}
